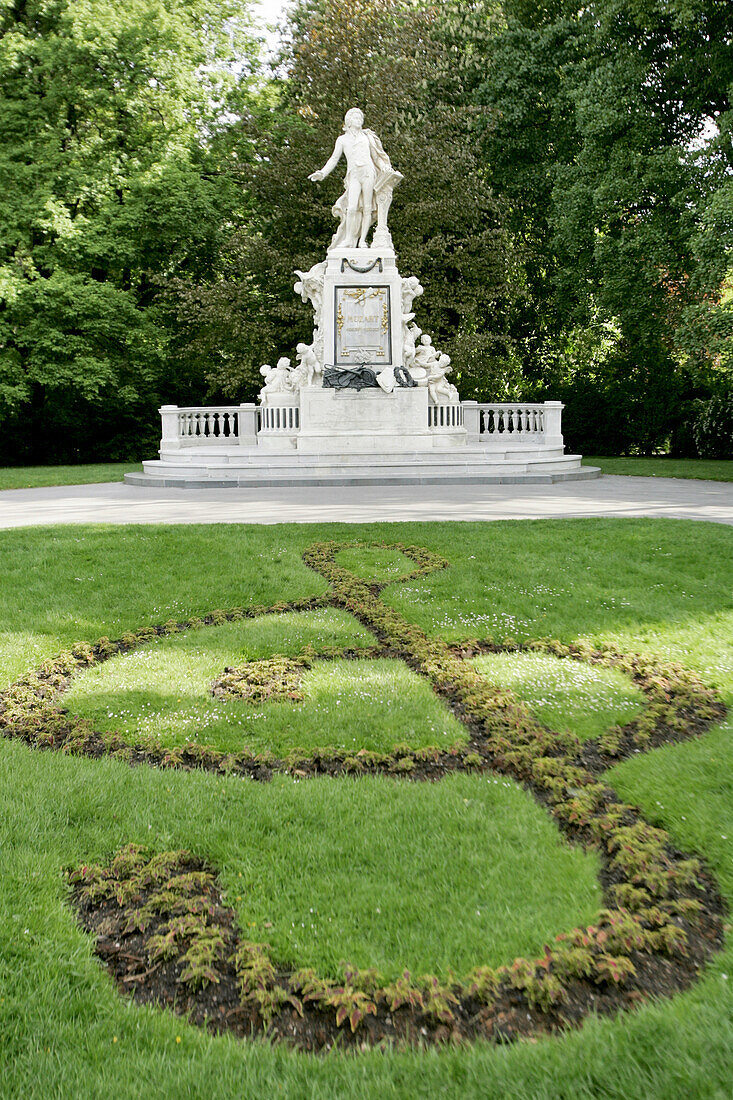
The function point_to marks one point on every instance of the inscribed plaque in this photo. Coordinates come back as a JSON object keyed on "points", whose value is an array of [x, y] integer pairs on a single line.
{"points": [[362, 328]]}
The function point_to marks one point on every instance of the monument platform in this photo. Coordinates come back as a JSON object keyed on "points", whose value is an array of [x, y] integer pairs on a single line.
{"points": [[248, 446]]}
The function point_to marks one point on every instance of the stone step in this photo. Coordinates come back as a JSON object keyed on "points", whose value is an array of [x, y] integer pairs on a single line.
{"points": [[394, 466], [534, 472], [243, 455], [256, 459]]}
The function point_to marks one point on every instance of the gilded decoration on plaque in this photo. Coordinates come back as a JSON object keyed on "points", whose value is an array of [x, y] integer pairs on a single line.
{"points": [[362, 331]]}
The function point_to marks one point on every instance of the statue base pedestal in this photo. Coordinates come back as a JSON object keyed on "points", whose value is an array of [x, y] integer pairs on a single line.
{"points": [[362, 309], [369, 421]]}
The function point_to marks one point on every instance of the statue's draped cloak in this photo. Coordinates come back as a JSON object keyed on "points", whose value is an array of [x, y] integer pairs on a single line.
{"points": [[387, 177]]}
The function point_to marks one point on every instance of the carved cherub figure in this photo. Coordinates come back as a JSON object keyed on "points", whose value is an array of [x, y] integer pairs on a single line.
{"points": [[425, 353], [310, 287], [410, 335], [411, 289], [308, 366], [278, 379], [440, 389]]}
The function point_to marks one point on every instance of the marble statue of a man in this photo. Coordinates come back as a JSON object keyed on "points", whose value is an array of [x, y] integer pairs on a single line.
{"points": [[368, 186]]}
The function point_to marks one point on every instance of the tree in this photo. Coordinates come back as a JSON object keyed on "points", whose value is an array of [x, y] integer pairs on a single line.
{"points": [[106, 115], [598, 107]]}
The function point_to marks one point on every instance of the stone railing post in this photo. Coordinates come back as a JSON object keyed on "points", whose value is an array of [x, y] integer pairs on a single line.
{"points": [[247, 416], [553, 417], [169, 440], [471, 420]]}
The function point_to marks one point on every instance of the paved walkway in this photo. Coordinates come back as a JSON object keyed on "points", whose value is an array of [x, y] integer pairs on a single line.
{"points": [[671, 498]]}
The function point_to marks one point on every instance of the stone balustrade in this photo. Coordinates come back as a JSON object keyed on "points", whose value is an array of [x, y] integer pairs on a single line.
{"points": [[217, 423], [445, 418], [275, 418], [517, 422], [247, 424], [210, 426]]}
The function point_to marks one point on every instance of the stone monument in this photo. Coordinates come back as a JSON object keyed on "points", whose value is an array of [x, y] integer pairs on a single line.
{"points": [[368, 376], [369, 399]]}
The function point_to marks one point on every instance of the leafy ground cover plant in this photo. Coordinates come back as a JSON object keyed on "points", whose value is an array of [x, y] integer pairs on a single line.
{"points": [[663, 914]]}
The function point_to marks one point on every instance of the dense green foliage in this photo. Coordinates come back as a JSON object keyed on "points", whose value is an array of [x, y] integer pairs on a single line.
{"points": [[568, 204], [627, 229], [105, 113]]}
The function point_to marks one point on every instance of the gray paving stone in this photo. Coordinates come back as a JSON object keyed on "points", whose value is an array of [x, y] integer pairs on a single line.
{"points": [[669, 498]]}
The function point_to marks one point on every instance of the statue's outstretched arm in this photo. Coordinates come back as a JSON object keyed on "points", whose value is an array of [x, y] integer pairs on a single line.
{"points": [[330, 164]]}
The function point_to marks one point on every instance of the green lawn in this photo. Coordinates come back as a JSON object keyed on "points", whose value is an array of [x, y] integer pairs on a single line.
{"points": [[34, 477], [378, 871], [161, 694], [708, 469], [565, 694]]}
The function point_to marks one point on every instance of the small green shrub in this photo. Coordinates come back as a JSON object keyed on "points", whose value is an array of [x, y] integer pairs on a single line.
{"points": [[713, 427]]}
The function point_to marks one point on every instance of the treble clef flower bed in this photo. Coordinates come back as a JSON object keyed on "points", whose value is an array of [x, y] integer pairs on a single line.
{"points": [[166, 932]]}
